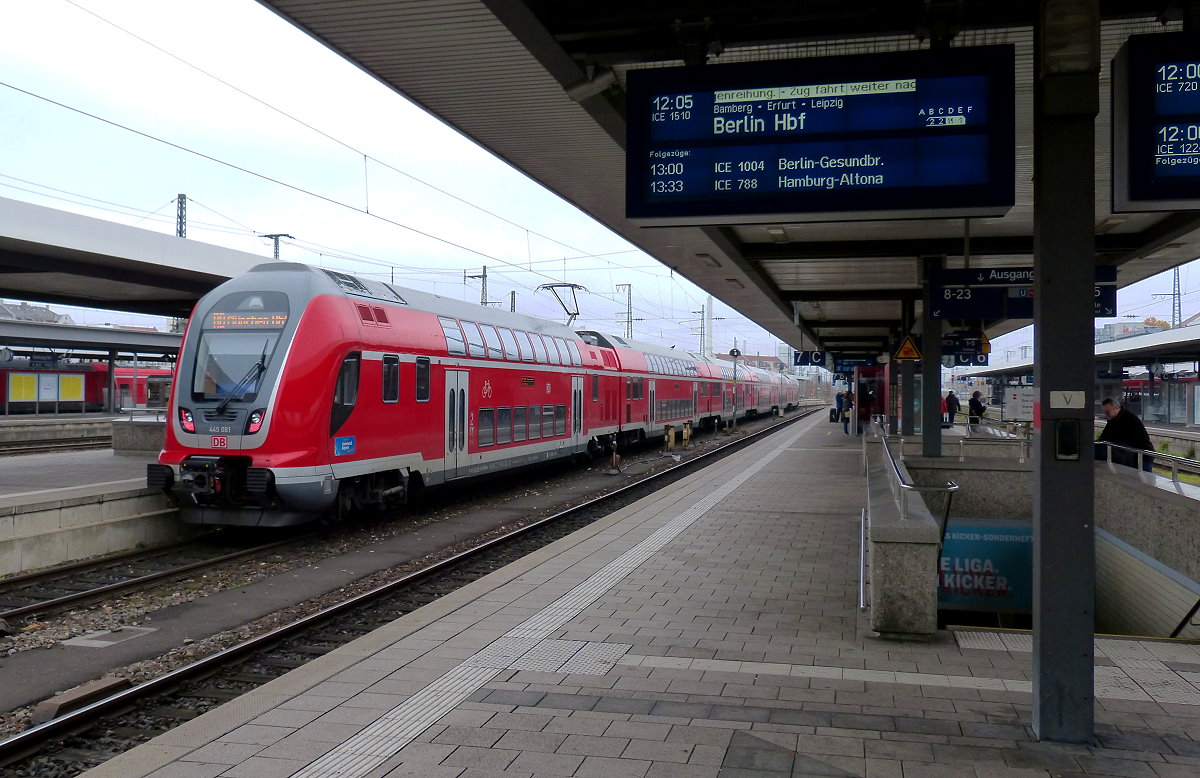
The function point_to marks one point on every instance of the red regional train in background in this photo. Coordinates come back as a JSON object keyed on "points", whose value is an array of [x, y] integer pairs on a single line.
{"points": [[80, 388], [301, 391]]}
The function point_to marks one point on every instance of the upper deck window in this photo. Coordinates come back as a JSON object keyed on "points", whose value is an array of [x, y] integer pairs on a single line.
{"points": [[474, 339], [494, 350], [510, 344], [456, 344]]}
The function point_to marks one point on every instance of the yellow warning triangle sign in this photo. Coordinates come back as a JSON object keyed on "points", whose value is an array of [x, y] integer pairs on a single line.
{"points": [[908, 349]]}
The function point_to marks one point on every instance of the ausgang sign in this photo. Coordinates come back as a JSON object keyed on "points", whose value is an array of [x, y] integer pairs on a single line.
{"points": [[897, 135]]}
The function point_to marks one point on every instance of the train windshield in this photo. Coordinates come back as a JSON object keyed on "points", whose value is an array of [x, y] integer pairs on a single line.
{"points": [[231, 364], [236, 343]]}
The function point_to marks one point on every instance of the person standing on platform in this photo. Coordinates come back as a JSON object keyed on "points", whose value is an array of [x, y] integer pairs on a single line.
{"points": [[839, 400], [953, 407], [975, 410], [1124, 428], [945, 425], [847, 409]]}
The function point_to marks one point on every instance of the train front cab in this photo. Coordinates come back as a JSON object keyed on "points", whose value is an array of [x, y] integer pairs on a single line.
{"points": [[231, 456]]}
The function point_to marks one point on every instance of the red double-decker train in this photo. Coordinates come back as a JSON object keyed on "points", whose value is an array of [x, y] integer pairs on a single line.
{"points": [[302, 391]]}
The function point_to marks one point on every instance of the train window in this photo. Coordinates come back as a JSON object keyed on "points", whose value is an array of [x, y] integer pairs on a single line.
{"points": [[535, 422], [576, 358], [628, 388], [456, 345], [391, 378], [548, 421], [474, 339], [510, 344], [519, 424], [562, 350], [503, 425], [595, 388], [494, 349], [637, 389], [560, 420], [539, 348], [704, 390], [345, 391], [526, 345], [552, 350], [422, 383], [487, 426]]}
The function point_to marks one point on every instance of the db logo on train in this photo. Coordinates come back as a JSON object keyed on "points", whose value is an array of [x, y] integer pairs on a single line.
{"points": [[220, 441]]}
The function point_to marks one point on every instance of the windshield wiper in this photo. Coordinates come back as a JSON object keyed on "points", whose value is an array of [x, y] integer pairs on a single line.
{"points": [[256, 370]]}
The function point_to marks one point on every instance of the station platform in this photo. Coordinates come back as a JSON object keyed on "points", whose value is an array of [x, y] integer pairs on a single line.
{"points": [[711, 629], [61, 506], [32, 478]]}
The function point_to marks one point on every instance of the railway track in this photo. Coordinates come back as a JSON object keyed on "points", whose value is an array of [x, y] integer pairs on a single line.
{"points": [[82, 739], [49, 445], [64, 586]]}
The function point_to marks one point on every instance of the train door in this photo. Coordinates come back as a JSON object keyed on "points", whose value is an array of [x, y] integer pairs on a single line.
{"points": [[695, 400], [653, 411], [456, 420], [577, 410]]}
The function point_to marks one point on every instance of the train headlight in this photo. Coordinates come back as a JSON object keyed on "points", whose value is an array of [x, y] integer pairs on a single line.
{"points": [[255, 421], [186, 421]]}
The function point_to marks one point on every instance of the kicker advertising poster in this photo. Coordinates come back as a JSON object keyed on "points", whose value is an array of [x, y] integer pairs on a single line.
{"points": [[987, 564]]}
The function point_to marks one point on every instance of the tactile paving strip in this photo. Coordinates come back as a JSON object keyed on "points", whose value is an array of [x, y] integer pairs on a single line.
{"points": [[1139, 672], [375, 744]]}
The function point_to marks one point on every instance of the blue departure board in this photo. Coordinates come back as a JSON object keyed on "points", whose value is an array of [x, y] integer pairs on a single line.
{"points": [[1156, 123], [897, 135]]}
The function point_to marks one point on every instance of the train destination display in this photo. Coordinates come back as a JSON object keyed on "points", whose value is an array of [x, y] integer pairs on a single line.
{"points": [[899, 135], [1156, 123]]}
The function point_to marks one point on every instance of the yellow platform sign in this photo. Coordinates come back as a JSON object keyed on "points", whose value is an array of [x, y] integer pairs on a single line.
{"points": [[908, 349]]}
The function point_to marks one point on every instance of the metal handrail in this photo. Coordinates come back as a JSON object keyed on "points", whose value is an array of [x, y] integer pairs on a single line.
{"points": [[905, 487], [160, 413], [862, 559], [1026, 446], [1175, 461]]}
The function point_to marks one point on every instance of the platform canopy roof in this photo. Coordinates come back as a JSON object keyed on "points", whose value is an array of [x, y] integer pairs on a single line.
{"points": [[54, 256], [18, 335], [541, 83], [1166, 347]]}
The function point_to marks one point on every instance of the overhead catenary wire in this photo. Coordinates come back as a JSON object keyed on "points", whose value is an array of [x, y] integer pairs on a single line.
{"points": [[331, 200], [322, 133]]}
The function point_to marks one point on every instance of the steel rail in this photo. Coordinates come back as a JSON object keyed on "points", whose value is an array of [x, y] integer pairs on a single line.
{"points": [[135, 583]]}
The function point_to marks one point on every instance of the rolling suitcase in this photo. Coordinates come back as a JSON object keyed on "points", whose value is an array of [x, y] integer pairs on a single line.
{"points": [[834, 413]]}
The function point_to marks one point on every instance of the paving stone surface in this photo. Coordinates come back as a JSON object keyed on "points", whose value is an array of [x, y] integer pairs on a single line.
{"points": [[710, 630]]}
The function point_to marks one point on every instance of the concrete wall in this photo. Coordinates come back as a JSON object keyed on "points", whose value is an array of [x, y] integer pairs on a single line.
{"points": [[1162, 522], [80, 525], [67, 428], [903, 555], [988, 488], [139, 436], [1148, 534]]}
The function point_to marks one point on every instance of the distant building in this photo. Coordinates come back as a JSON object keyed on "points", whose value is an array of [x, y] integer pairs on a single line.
{"points": [[23, 311], [1111, 332]]}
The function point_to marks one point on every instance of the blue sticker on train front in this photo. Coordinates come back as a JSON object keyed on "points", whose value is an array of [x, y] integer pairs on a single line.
{"points": [[343, 446]]}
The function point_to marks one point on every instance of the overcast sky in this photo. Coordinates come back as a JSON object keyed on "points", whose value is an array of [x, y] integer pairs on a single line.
{"points": [[438, 204]]}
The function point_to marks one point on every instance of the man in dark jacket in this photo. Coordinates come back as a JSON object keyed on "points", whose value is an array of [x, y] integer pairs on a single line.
{"points": [[1124, 428], [953, 406]]}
